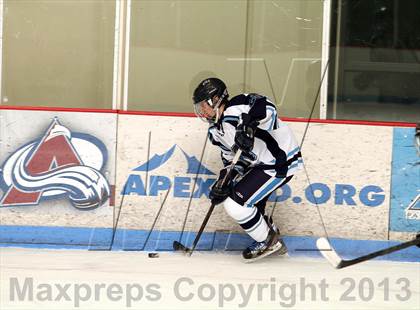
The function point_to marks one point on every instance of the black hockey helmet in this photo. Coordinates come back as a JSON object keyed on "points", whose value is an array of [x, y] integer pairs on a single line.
{"points": [[209, 88]]}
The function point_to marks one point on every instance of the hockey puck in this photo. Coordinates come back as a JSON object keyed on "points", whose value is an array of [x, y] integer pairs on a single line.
{"points": [[153, 255]]}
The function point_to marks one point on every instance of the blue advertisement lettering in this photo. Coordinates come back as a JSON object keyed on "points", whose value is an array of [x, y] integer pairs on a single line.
{"points": [[197, 180], [344, 194], [159, 183], [312, 190], [369, 199]]}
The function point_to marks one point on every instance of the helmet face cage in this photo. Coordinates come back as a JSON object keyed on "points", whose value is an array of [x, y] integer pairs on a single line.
{"points": [[205, 92], [215, 106], [200, 114]]}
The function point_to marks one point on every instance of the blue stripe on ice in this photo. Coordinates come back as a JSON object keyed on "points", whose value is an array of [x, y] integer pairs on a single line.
{"points": [[129, 239]]}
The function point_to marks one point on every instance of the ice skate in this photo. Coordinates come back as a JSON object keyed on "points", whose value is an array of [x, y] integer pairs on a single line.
{"points": [[258, 250], [270, 222]]}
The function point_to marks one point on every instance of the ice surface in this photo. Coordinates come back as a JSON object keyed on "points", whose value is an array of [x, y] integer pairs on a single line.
{"points": [[68, 279]]}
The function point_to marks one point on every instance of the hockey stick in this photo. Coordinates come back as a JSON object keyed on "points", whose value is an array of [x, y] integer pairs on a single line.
{"points": [[193, 190], [156, 219], [178, 246], [331, 255], [153, 224]]}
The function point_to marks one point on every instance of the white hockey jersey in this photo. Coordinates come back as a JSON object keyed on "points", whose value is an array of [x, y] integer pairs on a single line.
{"points": [[275, 147]]}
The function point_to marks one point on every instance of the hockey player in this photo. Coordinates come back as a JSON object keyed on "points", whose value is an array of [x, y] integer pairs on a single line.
{"points": [[270, 156]]}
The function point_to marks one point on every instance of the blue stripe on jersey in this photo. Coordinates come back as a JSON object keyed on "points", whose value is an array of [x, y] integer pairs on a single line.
{"points": [[230, 118], [265, 190], [293, 152], [273, 117], [295, 164]]}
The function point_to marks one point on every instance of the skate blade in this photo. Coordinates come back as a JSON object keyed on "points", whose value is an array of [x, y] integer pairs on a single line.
{"points": [[273, 250], [282, 253], [283, 250]]}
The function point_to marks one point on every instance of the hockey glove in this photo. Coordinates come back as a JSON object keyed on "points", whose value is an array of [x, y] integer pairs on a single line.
{"points": [[219, 192], [245, 132]]}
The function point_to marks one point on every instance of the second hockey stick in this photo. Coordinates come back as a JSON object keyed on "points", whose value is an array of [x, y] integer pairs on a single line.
{"points": [[331, 255]]}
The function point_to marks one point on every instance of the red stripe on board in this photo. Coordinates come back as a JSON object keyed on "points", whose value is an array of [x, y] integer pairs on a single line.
{"points": [[185, 114], [349, 122], [57, 109], [176, 114]]}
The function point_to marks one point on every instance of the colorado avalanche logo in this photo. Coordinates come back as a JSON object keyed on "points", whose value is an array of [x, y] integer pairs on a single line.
{"points": [[60, 164]]}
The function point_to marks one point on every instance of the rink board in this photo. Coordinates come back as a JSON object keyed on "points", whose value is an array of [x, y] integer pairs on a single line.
{"points": [[349, 168], [56, 140], [160, 168]]}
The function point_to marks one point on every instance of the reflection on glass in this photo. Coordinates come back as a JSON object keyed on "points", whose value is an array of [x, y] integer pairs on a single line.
{"points": [[269, 47]]}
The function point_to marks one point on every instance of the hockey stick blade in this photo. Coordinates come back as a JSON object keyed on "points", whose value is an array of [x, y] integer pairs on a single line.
{"points": [[331, 255], [178, 246], [328, 252]]}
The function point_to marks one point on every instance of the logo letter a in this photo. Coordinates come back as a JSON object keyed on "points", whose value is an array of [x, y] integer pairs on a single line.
{"points": [[53, 152]]}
